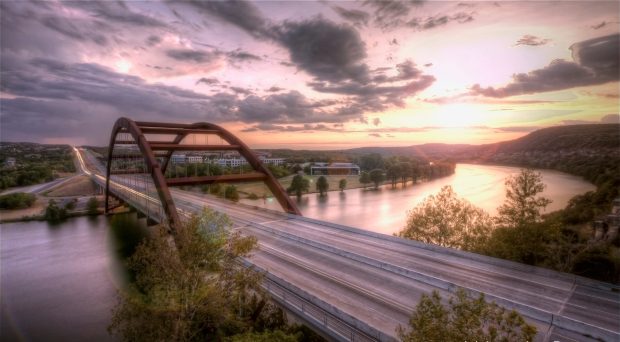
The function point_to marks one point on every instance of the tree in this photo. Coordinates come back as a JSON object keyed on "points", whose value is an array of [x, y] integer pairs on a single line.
{"points": [[365, 178], [299, 185], [446, 220], [376, 176], [393, 173], [17, 200], [322, 185], [464, 319], [192, 289], [53, 213], [92, 206], [342, 184], [522, 207], [405, 171], [231, 193]]}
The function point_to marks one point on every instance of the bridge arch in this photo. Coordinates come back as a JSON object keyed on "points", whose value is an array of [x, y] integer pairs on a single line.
{"points": [[138, 129]]}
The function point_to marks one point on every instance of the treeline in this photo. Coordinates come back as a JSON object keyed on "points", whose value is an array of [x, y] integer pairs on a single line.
{"points": [[602, 168], [34, 163], [399, 169]]}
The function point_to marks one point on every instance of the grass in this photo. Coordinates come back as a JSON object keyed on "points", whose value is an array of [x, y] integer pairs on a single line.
{"points": [[80, 186]]}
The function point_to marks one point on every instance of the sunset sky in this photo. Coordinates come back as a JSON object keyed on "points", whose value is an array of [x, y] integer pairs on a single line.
{"points": [[314, 75]]}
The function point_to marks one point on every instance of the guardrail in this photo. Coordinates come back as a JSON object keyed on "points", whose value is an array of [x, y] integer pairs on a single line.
{"points": [[318, 314]]}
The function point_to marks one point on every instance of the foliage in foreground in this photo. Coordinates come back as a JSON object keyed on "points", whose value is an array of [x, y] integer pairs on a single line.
{"points": [[193, 288], [446, 220], [519, 233], [464, 319], [17, 200]]}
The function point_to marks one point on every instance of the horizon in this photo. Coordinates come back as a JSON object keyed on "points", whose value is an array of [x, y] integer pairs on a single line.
{"points": [[313, 75]]}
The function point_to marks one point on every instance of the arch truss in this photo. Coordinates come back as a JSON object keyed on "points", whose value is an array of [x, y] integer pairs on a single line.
{"points": [[141, 163]]}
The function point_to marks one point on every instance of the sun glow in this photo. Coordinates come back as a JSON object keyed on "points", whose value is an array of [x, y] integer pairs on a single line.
{"points": [[459, 115], [123, 66]]}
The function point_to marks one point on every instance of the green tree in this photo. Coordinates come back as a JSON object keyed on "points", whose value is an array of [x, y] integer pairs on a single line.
{"points": [[322, 185], [231, 193], [17, 200], [464, 319], [342, 184], [405, 171], [377, 176], [299, 185], [522, 207], [394, 172], [192, 289], [92, 206], [54, 213], [71, 204], [446, 220], [365, 178]]}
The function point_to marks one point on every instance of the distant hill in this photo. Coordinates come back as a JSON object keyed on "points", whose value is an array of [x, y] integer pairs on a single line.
{"points": [[574, 137]]}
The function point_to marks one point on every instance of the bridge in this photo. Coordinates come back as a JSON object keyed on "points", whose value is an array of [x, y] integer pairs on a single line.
{"points": [[346, 283]]}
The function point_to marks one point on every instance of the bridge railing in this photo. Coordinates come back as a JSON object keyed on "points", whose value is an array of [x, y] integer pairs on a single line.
{"points": [[320, 315]]}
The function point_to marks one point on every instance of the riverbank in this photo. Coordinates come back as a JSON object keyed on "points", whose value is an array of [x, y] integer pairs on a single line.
{"points": [[72, 195]]}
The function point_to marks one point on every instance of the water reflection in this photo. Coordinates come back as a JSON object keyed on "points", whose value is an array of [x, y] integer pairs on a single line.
{"points": [[385, 210], [59, 281]]}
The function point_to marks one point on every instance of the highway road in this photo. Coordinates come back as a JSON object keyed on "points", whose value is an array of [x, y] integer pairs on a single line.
{"points": [[379, 279]]}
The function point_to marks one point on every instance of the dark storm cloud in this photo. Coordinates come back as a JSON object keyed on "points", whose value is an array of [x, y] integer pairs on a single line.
{"points": [[195, 56], [243, 14], [596, 61], [355, 17], [531, 40], [324, 49]]}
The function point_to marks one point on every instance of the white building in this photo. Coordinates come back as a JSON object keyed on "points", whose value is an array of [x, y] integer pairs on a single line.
{"points": [[177, 158], [194, 159], [230, 162], [272, 161]]}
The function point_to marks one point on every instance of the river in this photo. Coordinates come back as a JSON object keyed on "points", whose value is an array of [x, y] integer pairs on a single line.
{"points": [[58, 282], [385, 210]]}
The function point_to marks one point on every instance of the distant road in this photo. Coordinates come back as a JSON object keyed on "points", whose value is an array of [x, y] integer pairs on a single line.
{"points": [[39, 188]]}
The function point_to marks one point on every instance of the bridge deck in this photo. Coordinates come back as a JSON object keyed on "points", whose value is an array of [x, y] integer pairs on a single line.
{"points": [[379, 279]]}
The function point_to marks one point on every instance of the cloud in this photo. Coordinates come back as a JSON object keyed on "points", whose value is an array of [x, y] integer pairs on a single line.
{"points": [[391, 14], [324, 49], [376, 121], [242, 56], [208, 81], [596, 61], [117, 12], [603, 24], [274, 89], [531, 40], [356, 17], [606, 119], [439, 20], [376, 135], [194, 56], [153, 40], [242, 14]]}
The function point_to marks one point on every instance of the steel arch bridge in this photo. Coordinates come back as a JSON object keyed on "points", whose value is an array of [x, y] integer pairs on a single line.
{"points": [[144, 150]]}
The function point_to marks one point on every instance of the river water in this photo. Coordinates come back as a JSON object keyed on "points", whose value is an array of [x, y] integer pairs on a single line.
{"points": [[385, 210], [58, 282]]}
